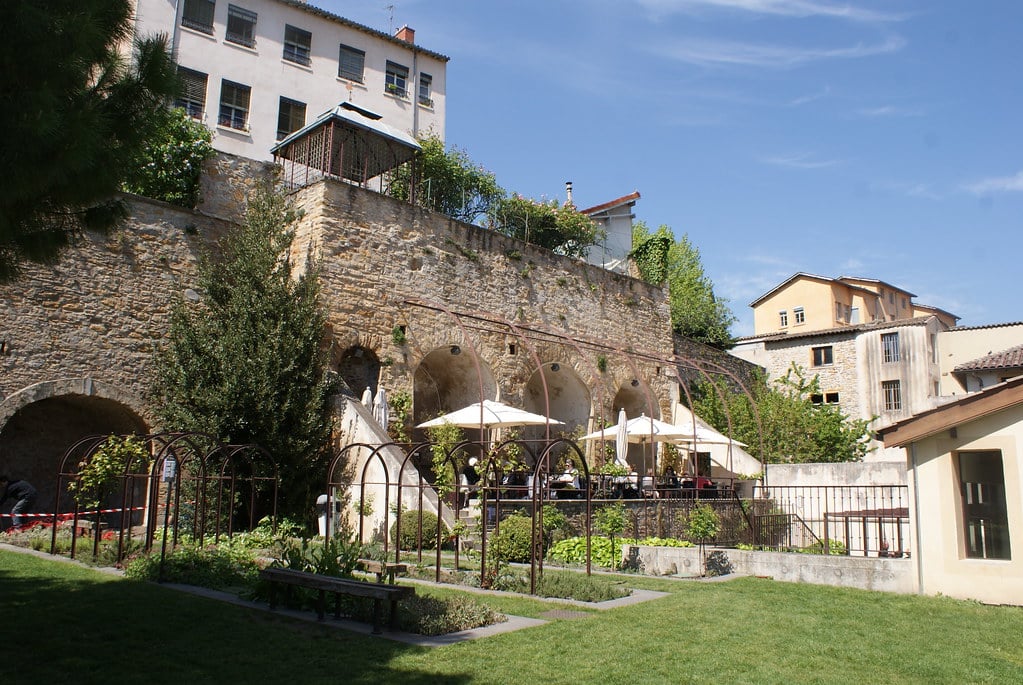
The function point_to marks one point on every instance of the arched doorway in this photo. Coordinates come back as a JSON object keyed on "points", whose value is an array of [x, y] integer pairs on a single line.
{"points": [[359, 368], [39, 432], [446, 380]]}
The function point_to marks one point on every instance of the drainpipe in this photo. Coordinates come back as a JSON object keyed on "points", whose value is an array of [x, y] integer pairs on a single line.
{"points": [[916, 515]]}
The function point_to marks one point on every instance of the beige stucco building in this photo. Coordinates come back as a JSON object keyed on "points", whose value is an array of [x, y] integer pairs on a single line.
{"points": [[256, 70], [976, 357], [966, 494]]}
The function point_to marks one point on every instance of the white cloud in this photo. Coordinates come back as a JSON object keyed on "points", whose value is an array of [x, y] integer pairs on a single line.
{"points": [[989, 186], [728, 53], [785, 8], [887, 111], [800, 161], [812, 97]]}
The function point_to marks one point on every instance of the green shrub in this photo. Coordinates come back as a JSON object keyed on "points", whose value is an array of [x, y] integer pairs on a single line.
{"points": [[514, 539], [215, 568], [573, 550], [835, 547], [579, 586], [410, 539], [436, 616]]}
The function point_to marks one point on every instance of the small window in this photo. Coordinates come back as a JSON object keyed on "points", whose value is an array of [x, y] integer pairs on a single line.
{"points": [[297, 45], [396, 80], [241, 26], [351, 63], [891, 297], [817, 398], [823, 356], [234, 105], [890, 347], [838, 312], [290, 117], [800, 315], [198, 15], [854, 315], [831, 397], [892, 391], [426, 90], [192, 97], [783, 318], [985, 521]]}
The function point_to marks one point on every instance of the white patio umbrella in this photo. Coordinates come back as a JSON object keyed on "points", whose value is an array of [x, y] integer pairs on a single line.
{"points": [[643, 430], [490, 414], [367, 397], [704, 435], [622, 439], [380, 410]]}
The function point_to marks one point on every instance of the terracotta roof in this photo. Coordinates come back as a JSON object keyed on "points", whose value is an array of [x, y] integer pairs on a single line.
{"points": [[852, 280], [824, 279], [823, 332], [988, 325], [1011, 358], [624, 200]]}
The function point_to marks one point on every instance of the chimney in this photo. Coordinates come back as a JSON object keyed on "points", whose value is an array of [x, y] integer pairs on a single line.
{"points": [[406, 34], [568, 193]]}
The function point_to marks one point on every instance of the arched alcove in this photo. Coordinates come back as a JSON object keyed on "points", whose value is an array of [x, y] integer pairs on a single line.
{"points": [[447, 379], [359, 368], [39, 433], [567, 396]]}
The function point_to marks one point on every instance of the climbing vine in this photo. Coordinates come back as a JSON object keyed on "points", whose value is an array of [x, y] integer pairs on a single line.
{"points": [[96, 474]]}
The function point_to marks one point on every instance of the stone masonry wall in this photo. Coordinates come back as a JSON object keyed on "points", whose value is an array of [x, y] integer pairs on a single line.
{"points": [[378, 254]]}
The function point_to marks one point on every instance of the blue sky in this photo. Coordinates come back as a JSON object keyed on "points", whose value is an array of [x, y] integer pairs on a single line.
{"points": [[876, 139]]}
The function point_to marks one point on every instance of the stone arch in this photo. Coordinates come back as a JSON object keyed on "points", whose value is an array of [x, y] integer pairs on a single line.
{"points": [[359, 368], [568, 396], [446, 379], [632, 397], [39, 423]]}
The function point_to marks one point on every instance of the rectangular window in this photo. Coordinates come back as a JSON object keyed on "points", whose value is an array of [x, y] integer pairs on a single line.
{"points": [[192, 97], [396, 80], [854, 315], [890, 347], [822, 356], [298, 45], [892, 395], [241, 26], [800, 315], [234, 105], [985, 522], [351, 63], [783, 318], [426, 90], [198, 15], [290, 117], [831, 397], [838, 311]]}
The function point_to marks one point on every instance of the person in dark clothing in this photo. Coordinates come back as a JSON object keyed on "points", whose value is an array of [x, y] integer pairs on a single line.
{"points": [[23, 494]]}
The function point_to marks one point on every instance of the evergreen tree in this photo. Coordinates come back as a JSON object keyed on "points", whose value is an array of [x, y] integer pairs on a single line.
{"points": [[246, 364], [74, 117], [696, 312]]}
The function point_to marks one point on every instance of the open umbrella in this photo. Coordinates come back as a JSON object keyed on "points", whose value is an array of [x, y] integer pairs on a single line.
{"points": [[643, 430], [704, 435], [380, 409], [490, 414]]}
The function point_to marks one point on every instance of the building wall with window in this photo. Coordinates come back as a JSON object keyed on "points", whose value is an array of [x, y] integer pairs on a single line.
{"points": [[961, 345], [255, 68], [966, 494]]}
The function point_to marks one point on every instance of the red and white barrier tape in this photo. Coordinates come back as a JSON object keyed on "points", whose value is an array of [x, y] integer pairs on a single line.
{"points": [[70, 515]]}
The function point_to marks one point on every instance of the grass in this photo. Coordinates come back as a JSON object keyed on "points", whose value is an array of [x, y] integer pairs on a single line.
{"points": [[65, 623]]}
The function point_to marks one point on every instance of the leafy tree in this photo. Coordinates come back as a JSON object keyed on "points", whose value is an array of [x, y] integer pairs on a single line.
{"points": [[449, 182], [704, 524], [795, 429], [171, 163], [246, 363], [696, 312], [75, 116], [557, 227]]}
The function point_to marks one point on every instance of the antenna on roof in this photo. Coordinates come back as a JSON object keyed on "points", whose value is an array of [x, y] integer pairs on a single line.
{"points": [[390, 24]]}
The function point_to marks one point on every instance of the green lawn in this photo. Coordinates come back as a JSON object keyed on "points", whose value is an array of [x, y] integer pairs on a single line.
{"points": [[64, 623]]}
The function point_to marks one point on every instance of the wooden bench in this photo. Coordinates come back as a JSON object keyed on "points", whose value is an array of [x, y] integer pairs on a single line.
{"points": [[381, 568], [339, 586]]}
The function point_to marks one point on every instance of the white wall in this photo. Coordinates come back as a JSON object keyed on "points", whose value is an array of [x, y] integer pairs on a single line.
{"points": [[271, 77]]}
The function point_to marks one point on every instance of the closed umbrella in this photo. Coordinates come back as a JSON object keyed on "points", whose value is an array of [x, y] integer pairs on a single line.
{"points": [[380, 409], [367, 397], [622, 439]]}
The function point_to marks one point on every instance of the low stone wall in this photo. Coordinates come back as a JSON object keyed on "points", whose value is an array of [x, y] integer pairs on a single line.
{"points": [[866, 573]]}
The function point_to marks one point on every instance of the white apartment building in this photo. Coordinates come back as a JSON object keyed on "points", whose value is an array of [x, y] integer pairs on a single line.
{"points": [[256, 70]]}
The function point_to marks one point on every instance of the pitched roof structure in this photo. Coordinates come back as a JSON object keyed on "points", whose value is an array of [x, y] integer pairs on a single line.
{"points": [[1011, 358], [624, 200]]}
